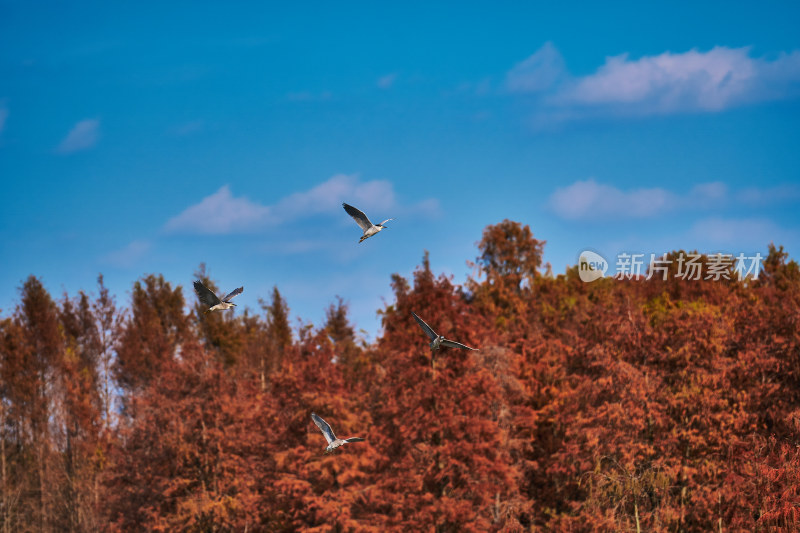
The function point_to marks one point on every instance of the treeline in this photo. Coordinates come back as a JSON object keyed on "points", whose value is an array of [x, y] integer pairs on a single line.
{"points": [[635, 405]]}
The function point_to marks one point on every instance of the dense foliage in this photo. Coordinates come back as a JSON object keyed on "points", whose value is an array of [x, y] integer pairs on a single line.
{"points": [[617, 405]]}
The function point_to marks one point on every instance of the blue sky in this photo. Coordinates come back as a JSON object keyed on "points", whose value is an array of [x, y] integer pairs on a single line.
{"points": [[151, 137]]}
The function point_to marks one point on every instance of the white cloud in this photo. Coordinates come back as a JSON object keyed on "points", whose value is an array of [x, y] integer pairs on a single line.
{"points": [[588, 199], [329, 195], [385, 82], [538, 72], [82, 136], [745, 233], [692, 81], [715, 191], [219, 214], [222, 213], [755, 197], [129, 255]]}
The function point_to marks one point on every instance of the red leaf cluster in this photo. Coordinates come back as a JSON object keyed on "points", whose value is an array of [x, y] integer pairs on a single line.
{"points": [[639, 405]]}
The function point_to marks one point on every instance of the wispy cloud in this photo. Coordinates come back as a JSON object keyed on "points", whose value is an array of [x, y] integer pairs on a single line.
{"points": [[219, 214], [752, 233], [430, 208], [589, 199], [539, 72], [386, 82], [222, 213], [780, 194], [3, 115], [692, 81], [188, 128], [82, 136], [127, 256], [329, 195]]}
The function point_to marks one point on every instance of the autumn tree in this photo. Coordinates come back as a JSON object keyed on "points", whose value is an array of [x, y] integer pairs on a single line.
{"points": [[779, 270], [13, 463], [509, 259], [220, 330], [80, 417], [619, 405], [446, 466], [152, 333], [256, 354], [349, 356], [278, 321], [278, 331], [32, 351], [510, 254], [318, 491], [193, 457], [108, 319]]}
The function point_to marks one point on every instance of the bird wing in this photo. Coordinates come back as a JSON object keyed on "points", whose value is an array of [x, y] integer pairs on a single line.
{"points": [[454, 344], [206, 296], [359, 216], [385, 221], [355, 439], [428, 330], [324, 427], [234, 292]]}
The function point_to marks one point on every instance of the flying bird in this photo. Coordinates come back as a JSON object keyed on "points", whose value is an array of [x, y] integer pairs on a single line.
{"points": [[211, 300], [437, 340], [333, 442], [361, 219]]}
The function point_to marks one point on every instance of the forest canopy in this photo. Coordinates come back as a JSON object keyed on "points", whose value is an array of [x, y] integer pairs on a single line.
{"points": [[621, 404]]}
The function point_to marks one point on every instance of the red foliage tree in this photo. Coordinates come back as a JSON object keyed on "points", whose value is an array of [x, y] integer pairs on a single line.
{"points": [[192, 457], [220, 330], [661, 404], [446, 466], [152, 333]]}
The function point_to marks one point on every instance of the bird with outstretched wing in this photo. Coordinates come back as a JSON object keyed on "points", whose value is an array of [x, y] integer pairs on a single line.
{"points": [[364, 222], [333, 442], [437, 340], [208, 298]]}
